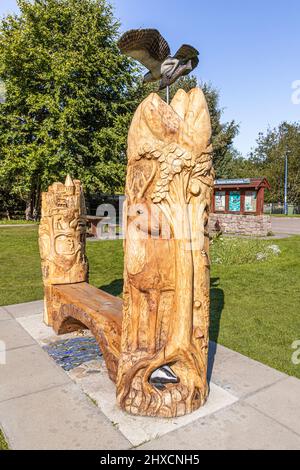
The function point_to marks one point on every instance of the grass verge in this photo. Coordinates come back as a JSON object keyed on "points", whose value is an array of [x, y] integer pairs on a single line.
{"points": [[16, 222], [3, 443]]}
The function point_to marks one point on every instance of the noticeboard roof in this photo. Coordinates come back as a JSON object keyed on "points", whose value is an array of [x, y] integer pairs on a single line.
{"points": [[243, 182]]}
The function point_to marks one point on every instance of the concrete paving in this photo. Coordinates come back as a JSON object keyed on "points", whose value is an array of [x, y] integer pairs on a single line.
{"points": [[251, 406], [287, 225], [23, 310], [58, 418], [287, 392], [14, 335], [28, 370], [93, 379], [4, 315], [96, 384], [234, 428], [242, 376]]}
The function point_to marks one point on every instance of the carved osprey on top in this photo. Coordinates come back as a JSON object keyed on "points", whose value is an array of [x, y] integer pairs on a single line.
{"points": [[152, 50]]}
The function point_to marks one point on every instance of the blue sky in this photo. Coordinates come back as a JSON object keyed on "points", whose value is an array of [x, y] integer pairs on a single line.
{"points": [[249, 50]]}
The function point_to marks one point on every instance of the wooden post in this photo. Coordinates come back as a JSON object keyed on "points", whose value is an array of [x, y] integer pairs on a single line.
{"points": [[163, 363], [62, 237], [260, 201]]}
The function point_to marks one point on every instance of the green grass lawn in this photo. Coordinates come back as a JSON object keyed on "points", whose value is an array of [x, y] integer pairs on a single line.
{"points": [[283, 215], [3, 444], [255, 307], [20, 272], [16, 222]]}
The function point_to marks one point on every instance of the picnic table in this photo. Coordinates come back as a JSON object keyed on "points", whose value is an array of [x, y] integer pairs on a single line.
{"points": [[93, 221]]}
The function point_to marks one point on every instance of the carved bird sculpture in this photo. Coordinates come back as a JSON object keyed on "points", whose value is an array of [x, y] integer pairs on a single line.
{"points": [[152, 50]]}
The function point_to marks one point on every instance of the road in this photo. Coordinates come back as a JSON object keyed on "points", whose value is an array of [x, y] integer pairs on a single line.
{"points": [[290, 225]]}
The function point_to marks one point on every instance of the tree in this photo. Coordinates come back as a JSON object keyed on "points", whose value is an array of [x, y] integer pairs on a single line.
{"points": [[269, 157], [236, 166], [223, 134], [70, 95]]}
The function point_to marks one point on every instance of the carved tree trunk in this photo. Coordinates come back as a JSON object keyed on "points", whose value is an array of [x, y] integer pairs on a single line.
{"points": [[62, 238], [166, 291]]}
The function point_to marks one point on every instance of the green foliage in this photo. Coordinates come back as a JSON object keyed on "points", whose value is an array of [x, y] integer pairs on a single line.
{"points": [[237, 251], [2, 92], [269, 157], [3, 443], [268, 160], [69, 100], [69, 97], [223, 134], [236, 166]]}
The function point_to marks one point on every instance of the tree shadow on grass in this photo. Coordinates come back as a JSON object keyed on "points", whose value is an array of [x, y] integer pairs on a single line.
{"points": [[114, 288], [217, 300]]}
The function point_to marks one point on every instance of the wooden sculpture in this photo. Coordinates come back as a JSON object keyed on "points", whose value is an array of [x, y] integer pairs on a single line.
{"points": [[62, 239], [156, 350], [163, 364], [151, 49], [70, 302]]}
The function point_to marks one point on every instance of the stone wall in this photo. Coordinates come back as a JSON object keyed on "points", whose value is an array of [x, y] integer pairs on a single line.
{"points": [[253, 225]]}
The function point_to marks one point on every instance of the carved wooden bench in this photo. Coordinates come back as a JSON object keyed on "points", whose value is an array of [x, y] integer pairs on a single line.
{"points": [[79, 306], [162, 367], [70, 302]]}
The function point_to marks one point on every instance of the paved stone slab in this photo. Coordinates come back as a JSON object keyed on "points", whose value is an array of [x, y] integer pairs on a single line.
{"points": [[60, 418], [28, 370], [241, 375], [93, 379], [4, 315], [217, 356], [43, 334], [281, 402], [239, 427], [13, 335], [22, 310], [36, 327]]}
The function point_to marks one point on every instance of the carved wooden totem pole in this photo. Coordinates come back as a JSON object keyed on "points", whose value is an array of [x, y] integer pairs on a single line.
{"points": [[62, 239], [163, 362]]}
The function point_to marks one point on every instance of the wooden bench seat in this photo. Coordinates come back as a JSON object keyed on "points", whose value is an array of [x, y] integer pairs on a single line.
{"points": [[78, 306]]}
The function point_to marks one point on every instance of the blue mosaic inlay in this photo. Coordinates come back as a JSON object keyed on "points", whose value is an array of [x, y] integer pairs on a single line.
{"points": [[71, 353]]}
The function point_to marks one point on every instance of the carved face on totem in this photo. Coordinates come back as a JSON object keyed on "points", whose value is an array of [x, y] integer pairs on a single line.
{"points": [[62, 234]]}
